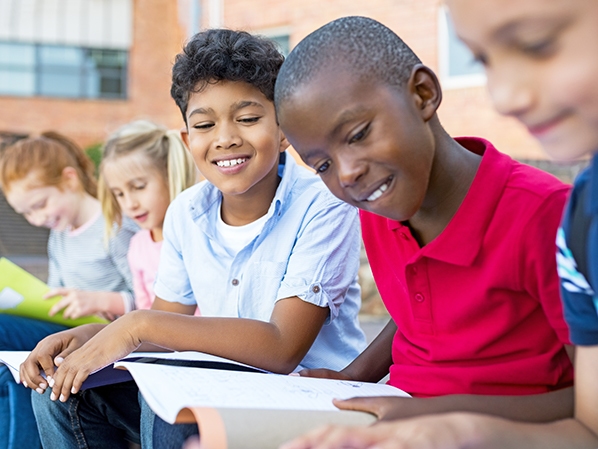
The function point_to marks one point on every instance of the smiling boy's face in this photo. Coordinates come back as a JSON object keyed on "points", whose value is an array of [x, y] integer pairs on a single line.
{"points": [[541, 58], [367, 141], [234, 138]]}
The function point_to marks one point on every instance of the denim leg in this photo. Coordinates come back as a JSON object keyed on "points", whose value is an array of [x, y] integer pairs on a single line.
{"points": [[157, 433], [17, 423], [22, 334], [102, 417]]}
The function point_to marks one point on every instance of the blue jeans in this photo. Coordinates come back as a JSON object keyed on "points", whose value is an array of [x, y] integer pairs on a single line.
{"points": [[105, 417], [17, 423]]}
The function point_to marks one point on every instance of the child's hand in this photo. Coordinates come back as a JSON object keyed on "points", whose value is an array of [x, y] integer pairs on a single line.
{"points": [[386, 408], [324, 374], [453, 431], [76, 303], [49, 352], [113, 342]]}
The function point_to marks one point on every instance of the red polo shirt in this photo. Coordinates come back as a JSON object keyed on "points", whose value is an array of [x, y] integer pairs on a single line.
{"points": [[478, 309]]}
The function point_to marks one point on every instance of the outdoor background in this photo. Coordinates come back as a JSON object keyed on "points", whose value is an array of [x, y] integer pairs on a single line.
{"points": [[86, 67]]}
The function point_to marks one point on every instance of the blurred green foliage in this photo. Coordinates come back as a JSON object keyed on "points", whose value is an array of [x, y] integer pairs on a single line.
{"points": [[95, 154]]}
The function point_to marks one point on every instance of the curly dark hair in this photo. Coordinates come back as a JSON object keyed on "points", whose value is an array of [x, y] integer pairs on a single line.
{"points": [[217, 55]]}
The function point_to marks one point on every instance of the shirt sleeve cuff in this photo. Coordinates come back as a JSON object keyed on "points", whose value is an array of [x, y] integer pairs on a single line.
{"points": [[128, 301]]}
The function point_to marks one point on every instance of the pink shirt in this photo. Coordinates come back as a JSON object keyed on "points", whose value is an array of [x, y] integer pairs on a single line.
{"points": [[478, 309], [144, 258]]}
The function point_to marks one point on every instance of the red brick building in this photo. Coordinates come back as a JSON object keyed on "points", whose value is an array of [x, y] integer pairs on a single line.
{"points": [[85, 67]]}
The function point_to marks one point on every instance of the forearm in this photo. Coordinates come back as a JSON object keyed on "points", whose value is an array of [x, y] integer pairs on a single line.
{"points": [[488, 433], [529, 408], [374, 363], [254, 342]]}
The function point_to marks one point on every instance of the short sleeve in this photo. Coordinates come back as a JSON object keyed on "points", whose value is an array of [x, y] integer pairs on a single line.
{"points": [[172, 282], [539, 236], [324, 261]]}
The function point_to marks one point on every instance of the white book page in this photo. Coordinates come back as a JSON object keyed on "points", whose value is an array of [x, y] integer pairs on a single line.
{"points": [[169, 389], [13, 360]]}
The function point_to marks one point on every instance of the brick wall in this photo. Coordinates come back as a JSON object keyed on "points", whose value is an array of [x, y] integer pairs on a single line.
{"points": [[465, 111], [157, 38]]}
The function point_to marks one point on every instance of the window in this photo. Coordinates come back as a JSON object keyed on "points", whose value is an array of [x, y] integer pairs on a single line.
{"points": [[279, 35], [62, 71], [457, 65], [283, 43]]}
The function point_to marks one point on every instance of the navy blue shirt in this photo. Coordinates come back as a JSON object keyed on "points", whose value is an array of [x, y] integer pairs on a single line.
{"points": [[577, 258]]}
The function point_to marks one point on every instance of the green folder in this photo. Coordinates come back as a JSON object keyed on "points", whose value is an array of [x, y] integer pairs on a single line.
{"points": [[21, 294]]}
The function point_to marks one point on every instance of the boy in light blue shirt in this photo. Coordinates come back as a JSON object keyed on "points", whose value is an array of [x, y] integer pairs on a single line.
{"points": [[307, 247], [262, 247]]}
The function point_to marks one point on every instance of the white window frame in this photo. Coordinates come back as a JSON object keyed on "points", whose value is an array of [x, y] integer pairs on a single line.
{"points": [[452, 81], [275, 32]]}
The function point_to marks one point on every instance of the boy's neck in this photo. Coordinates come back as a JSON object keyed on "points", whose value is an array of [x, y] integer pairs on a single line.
{"points": [[239, 210], [453, 171]]}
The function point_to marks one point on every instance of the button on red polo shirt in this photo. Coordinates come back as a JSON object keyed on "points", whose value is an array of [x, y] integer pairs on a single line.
{"points": [[478, 309]]}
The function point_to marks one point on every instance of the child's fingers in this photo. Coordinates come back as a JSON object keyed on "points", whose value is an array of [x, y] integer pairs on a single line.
{"points": [[64, 302], [72, 311], [32, 378], [382, 407], [60, 291], [323, 373], [68, 379]]}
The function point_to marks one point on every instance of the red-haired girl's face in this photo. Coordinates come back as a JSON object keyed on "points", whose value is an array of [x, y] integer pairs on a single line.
{"points": [[46, 206], [542, 65]]}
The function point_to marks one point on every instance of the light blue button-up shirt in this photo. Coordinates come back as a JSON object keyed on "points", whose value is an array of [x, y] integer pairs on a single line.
{"points": [[309, 247]]}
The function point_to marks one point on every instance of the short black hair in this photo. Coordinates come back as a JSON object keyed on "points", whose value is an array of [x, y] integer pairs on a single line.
{"points": [[367, 48], [224, 55]]}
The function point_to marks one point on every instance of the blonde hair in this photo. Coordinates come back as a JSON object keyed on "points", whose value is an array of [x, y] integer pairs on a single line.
{"points": [[48, 155], [162, 147]]}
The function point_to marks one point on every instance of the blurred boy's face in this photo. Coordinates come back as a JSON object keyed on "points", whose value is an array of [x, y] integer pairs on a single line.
{"points": [[541, 58], [234, 138], [367, 141]]}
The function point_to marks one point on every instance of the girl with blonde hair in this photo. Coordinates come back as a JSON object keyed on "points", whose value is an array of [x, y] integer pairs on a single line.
{"points": [[144, 167]]}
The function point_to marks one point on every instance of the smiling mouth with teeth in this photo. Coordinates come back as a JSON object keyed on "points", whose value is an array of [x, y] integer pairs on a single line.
{"points": [[378, 193], [230, 162]]}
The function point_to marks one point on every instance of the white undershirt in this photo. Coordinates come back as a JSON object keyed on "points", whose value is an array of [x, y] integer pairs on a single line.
{"points": [[235, 238]]}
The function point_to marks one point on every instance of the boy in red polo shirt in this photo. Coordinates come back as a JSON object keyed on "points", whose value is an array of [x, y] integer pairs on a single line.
{"points": [[459, 236]]}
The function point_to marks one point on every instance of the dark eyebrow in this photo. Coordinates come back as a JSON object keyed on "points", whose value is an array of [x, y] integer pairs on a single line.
{"points": [[200, 111], [244, 104], [344, 117], [235, 107], [313, 153]]}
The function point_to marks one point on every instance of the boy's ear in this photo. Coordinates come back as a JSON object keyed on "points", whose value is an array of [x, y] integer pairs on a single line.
{"points": [[185, 136], [284, 143], [424, 85]]}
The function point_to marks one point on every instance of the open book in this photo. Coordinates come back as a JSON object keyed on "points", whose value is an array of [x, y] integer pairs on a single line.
{"points": [[108, 375], [239, 409], [235, 405], [21, 294]]}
